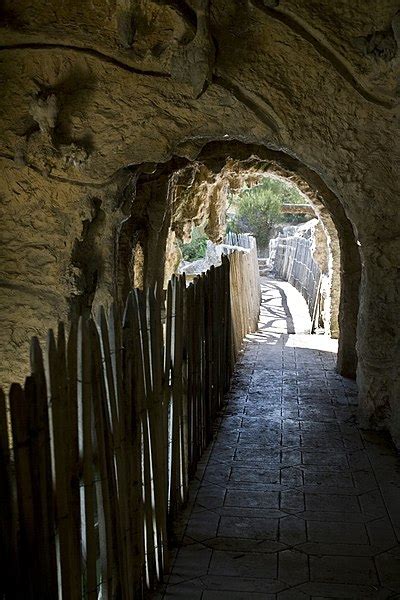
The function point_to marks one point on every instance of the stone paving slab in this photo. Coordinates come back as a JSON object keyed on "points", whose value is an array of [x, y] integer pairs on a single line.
{"points": [[292, 500]]}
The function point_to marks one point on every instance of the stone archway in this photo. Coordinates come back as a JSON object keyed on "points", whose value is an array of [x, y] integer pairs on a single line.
{"points": [[315, 82], [224, 162]]}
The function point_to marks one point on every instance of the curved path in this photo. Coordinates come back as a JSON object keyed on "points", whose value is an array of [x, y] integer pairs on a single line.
{"points": [[292, 501]]}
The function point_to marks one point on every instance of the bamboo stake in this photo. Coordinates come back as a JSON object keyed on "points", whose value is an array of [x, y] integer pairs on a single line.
{"points": [[132, 451], [86, 444], [158, 428], [73, 457], [143, 397], [21, 432], [42, 480], [106, 487], [176, 398], [118, 486], [168, 387], [60, 432], [190, 373], [184, 433], [8, 523]]}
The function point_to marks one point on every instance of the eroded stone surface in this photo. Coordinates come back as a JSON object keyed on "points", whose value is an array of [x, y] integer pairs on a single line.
{"points": [[90, 94]]}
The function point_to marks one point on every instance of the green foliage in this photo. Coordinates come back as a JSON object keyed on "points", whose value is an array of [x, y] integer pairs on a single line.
{"points": [[258, 209], [295, 219], [196, 248]]}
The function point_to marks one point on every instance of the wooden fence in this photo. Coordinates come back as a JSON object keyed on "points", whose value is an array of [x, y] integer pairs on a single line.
{"points": [[107, 431], [294, 262], [244, 240], [245, 287]]}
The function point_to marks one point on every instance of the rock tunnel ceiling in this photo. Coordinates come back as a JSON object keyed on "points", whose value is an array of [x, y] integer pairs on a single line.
{"points": [[95, 94]]}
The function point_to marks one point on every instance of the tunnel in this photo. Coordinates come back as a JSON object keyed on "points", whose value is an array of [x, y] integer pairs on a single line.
{"points": [[126, 123]]}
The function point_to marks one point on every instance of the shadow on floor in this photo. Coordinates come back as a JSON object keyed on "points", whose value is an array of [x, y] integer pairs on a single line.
{"points": [[292, 500]]}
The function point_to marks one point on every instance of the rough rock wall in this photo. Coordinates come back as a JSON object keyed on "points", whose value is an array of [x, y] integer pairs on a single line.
{"points": [[89, 89], [328, 256], [329, 263], [325, 251], [321, 252]]}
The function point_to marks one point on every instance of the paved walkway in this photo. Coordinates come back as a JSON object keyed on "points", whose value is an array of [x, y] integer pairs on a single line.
{"points": [[292, 501]]}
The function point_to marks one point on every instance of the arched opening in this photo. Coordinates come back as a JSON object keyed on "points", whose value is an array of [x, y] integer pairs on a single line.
{"points": [[123, 124], [205, 182]]}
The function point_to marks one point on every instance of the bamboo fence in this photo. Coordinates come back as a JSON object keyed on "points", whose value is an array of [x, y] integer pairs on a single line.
{"points": [[107, 431], [294, 262]]}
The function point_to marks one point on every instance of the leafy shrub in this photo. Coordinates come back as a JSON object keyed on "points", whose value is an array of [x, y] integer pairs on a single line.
{"points": [[258, 209], [196, 248]]}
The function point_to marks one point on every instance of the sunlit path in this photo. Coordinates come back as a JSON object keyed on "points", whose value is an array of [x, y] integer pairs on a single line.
{"points": [[292, 500]]}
